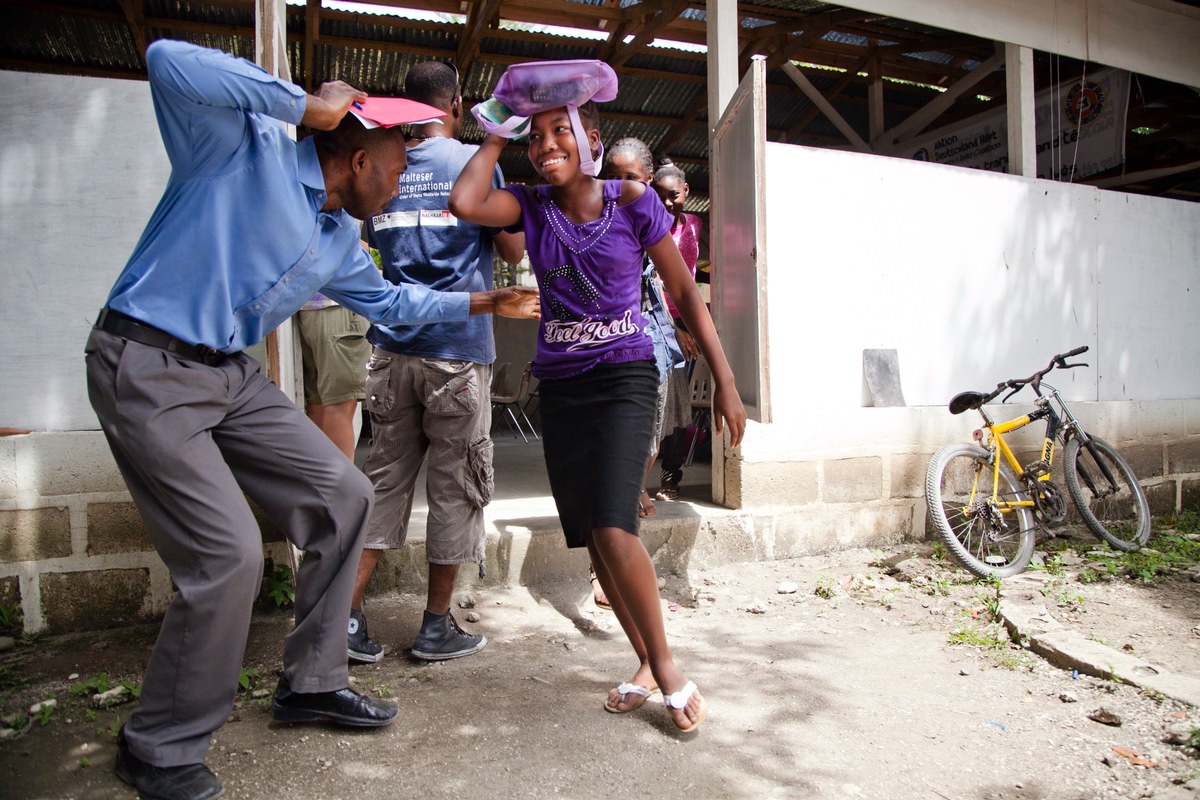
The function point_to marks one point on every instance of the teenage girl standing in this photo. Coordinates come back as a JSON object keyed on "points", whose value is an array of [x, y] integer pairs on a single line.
{"points": [[586, 240], [671, 184]]}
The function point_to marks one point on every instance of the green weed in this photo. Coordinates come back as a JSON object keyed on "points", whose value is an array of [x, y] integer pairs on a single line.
{"points": [[97, 684], [826, 586], [45, 714], [246, 678], [10, 617], [939, 550], [987, 638], [278, 584], [10, 678]]}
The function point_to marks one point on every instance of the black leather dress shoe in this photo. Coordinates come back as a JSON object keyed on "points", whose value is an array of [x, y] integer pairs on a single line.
{"points": [[345, 706], [186, 782]]}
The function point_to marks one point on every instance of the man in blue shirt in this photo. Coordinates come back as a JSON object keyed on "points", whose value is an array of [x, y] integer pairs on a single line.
{"points": [[428, 386], [251, 224]]}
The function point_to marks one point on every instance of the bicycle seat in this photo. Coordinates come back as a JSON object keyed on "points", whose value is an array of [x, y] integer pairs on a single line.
{"points": [[966, 401]]}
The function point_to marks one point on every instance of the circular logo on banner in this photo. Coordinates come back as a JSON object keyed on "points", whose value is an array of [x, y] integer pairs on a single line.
{"points": [[922, 155], [1085, 103]]}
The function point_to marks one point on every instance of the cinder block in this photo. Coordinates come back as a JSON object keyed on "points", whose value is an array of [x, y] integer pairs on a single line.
{"points": [[403, 570], [908, 475], [55, 464], [1161, 497], [774, 483], [1190, 496], [1158, 418], [8, 467], [1183, 456], [10, 599], [115, 528], [1191, 416], [33, 534], [81, 601], [1146, 459], [853, 480]]}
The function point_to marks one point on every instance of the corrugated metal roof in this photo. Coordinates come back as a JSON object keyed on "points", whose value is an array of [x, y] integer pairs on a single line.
{"points": [[659, 87]]}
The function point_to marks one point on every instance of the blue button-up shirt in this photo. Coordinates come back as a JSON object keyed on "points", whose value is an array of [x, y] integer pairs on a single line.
{"points": [[238, 242]]}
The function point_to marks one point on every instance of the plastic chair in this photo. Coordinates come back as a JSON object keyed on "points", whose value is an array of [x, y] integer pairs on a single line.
{"points": [[511, 404], [701, 393], [500, 378]]}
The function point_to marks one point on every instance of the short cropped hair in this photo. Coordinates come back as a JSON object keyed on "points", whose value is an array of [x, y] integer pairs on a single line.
{"points": [[349, 136], [434, 83]]}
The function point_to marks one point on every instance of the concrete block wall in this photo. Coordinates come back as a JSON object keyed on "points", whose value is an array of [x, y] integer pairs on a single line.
{"points": [[75, 556]]}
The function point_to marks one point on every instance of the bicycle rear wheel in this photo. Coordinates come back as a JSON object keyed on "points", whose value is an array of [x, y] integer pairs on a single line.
{"points": [[989, 540], [1107, 493]]}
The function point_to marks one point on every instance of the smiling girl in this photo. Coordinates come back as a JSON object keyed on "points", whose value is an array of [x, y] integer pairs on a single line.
{"points": [[586, 240]]}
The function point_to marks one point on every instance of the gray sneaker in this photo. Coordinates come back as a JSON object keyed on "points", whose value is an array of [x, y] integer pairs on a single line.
{"points": [[441, 639], [358, 643]]}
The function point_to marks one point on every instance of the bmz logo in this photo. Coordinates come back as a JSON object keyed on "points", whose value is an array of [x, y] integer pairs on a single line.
{"points": [[1085, 103]]}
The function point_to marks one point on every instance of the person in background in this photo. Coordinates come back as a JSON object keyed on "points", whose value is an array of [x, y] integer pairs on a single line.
{"points": [[598, 385], [429, 386], [631, 159], [334, 352], [671, 184], [195, 427]]}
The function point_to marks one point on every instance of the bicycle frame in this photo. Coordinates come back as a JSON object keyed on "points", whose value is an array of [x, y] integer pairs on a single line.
{"points": [[1039, 470]]}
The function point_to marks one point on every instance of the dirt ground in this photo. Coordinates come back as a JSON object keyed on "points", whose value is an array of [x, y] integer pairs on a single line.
{"points": [[851, 686]]}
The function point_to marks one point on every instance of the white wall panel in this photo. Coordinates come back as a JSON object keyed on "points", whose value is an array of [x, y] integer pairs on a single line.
{"points": [[81, 170], [973, 277]]}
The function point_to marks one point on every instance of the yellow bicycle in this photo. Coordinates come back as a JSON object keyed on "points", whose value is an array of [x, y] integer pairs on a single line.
{"points": [[987, 507]]}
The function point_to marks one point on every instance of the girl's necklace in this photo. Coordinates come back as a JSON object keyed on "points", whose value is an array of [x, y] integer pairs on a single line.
{"points": [[562, 226]]}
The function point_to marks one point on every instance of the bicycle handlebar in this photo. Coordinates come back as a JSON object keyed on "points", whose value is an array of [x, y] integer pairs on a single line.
{"points": [[1017, 384]]}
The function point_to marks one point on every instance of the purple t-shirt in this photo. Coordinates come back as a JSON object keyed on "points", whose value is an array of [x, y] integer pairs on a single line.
{"points": [[590, 277]]}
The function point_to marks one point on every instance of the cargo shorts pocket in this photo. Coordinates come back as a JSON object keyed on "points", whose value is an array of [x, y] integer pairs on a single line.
{"points": [[452, 388], [480, 478], [381, 394]]}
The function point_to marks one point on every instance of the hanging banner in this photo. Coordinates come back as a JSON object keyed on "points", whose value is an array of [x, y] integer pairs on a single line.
{"points": [[1080, 131]]}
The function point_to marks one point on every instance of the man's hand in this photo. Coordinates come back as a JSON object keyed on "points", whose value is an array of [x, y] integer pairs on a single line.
{"points": [[325, 109], [518, 302]]}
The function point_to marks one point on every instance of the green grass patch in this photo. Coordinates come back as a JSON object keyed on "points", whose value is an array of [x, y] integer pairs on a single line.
{"points": [[987, 637]]}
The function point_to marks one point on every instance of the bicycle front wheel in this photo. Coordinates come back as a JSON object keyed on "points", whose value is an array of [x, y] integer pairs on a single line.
{"points": [[1107, 493], [991, 537]]}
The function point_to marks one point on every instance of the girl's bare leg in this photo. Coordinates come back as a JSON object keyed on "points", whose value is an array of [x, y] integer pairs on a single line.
{"points": [[627, 576]]}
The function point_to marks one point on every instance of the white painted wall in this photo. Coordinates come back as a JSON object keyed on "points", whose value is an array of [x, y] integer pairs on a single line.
{"points": [[81, 170], [974, 277]]}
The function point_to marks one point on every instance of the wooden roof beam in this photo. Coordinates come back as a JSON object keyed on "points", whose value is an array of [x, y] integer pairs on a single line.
{"points": [[312, 34], [940, 104], [135, 17], [837, 88], [827, 108], [480, 16], [666, 13], [817, 28]]}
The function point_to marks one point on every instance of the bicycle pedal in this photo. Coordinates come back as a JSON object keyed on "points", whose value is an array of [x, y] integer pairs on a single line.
{"points": [[1037, 469]]}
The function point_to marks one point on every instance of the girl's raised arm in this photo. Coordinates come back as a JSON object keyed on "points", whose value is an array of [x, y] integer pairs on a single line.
{"points": [[473, 197], [679, 283]]}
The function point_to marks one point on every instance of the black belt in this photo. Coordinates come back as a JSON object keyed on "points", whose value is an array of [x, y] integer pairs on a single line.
{"points": [[127, 327]]}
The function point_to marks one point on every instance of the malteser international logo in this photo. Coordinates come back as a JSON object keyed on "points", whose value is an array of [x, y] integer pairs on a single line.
{"points": [[1084, 103]]}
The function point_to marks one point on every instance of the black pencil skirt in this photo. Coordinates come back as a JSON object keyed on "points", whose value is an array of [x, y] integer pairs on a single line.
{"points": [[594, 432]]}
